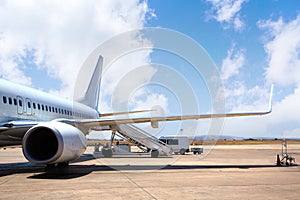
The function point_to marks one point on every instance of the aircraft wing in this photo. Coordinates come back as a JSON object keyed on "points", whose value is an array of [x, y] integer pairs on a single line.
{"points": [[11, 133], [109, 124], [123, 113]]}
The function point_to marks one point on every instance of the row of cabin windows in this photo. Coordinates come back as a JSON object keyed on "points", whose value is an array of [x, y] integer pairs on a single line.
{"points": [[13, 101]]}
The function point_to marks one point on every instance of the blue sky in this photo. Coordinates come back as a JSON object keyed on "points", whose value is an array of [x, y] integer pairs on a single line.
{"points": [[196, 19], [253, 43], [243, 45]]}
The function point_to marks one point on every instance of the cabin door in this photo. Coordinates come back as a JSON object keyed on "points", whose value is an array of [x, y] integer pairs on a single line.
{"points": [[20, 105], [28, 106]]}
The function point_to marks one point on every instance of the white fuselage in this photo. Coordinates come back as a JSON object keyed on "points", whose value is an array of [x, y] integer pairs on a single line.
{"points": [[23, 103]]}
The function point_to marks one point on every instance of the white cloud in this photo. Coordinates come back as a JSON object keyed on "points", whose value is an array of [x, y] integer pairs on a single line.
{"points": [[61, 34], [288, 109], [241, 98], [10, 71], [155, 100], [294, 133], [227, 12], [282, 46], [282, 122], [231, 65], [124, 78]]}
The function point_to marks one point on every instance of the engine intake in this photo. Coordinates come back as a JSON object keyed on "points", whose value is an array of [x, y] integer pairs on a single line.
{"points": [[53, 142]]}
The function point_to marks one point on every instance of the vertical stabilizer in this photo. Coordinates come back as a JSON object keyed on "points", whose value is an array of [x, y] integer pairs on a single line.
{"points": [[91, 97]]}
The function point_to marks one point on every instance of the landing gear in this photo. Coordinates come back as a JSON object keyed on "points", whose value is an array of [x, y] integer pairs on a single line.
{"points": [[62, 165], [58, 165], [107, 152], [154, 154], [50, 166], [182, 151]]}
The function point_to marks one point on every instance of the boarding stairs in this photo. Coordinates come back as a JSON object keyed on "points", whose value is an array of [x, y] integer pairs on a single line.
{"points": [[144, 140]]}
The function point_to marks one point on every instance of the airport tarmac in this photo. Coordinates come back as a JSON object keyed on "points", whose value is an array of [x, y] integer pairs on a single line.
{"points": [[227, 172]]}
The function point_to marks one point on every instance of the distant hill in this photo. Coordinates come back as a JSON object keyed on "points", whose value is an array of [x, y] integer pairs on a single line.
{"points": [[216, 137], [228, 137]]}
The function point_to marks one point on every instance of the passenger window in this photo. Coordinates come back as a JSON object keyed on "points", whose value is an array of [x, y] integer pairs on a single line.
{"points": [[43, 107], [28, 104], [15, 102], [39, 106], [10, 100], [4, 100], [46, 108], [33, 104], [20, 103]]}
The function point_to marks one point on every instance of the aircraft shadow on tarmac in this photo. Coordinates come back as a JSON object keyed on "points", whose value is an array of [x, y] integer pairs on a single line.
{"points": [[75, 171]]}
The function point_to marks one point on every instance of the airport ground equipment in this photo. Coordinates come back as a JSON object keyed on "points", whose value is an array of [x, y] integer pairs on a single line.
{"points": [[286, 158], [197, 150], [180, 145], [140, 138]]}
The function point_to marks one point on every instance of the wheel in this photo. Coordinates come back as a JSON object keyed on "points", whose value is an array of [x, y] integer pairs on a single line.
{"points": [[154, 154], [50, 166], [182, 151], [107, 153], [57, 165], [194, 152], [62, 165]]}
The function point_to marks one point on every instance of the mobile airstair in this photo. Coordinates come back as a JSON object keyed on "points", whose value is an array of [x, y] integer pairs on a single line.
{"points": [[140, 138]]}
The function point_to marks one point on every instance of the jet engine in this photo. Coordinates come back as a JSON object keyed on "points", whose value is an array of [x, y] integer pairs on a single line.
{"points": [[53, 142]]}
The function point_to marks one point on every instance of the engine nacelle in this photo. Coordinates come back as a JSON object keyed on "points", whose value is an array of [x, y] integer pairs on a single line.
{"points": [[53, 142]]}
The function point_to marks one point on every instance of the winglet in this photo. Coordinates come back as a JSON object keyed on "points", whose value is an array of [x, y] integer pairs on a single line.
{"points": [[270, 100]]}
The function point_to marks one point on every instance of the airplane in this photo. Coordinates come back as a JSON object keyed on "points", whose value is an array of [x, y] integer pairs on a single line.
{"points": [[52, 130]]}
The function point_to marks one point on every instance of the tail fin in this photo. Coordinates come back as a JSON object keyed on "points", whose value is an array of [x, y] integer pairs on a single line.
{"points": [[91, 97]]}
